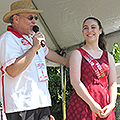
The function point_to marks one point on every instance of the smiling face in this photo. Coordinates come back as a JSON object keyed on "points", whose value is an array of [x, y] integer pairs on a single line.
{"points": [[91, 30]]}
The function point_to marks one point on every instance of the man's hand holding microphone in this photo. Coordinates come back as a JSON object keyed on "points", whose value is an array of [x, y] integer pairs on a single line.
{"points": [[38, 38]]}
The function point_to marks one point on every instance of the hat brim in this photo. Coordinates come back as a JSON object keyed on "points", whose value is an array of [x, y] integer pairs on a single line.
{"points": [[6, 17]]}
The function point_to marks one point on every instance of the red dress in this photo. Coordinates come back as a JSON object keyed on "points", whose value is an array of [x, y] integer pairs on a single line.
{"points": [[77, 108]]}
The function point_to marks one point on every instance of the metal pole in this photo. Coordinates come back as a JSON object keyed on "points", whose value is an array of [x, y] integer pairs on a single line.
{"points": [[62, 85], [65, 80]]}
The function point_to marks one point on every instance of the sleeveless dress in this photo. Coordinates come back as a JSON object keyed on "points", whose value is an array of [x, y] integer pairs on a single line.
{"points": [[77, 108]]}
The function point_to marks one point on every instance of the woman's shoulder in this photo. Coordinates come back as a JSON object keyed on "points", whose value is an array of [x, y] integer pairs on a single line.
{"points": [[75, 53]]}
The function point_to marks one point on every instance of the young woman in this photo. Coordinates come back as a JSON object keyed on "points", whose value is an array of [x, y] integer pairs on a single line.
{"points": [[95, 87]]}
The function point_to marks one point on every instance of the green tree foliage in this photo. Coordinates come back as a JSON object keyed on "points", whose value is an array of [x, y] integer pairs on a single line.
{"points": [[116, 52], [55, 89]]}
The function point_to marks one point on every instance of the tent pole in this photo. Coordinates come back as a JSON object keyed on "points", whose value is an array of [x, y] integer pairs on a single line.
{"points": [[63, 95], [41, 19]]}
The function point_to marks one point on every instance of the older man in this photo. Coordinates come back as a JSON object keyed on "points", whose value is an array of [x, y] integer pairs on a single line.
{"points": [[24, 74]]}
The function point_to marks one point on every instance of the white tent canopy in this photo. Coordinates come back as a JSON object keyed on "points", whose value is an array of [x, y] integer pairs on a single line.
{"points": [[61, 20]]}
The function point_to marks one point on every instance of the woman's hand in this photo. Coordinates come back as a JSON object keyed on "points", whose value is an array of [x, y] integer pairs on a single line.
{"points": [[106, 110], [96, 109]]}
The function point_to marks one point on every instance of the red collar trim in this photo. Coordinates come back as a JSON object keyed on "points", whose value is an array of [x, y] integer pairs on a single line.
{"points": [[19, 35], [15, 32]]}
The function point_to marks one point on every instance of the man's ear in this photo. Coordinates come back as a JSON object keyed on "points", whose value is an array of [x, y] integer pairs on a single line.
{"points": [[15, 18]]}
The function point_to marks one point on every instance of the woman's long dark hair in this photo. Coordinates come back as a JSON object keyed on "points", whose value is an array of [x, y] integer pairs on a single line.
{"points": [[101, 43]]}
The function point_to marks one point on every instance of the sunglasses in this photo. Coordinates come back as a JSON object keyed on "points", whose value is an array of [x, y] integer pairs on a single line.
{"points": [[30, 17]]}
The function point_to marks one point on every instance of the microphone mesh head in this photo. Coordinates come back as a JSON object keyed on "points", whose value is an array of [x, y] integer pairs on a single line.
{"points": [[35, 28]]}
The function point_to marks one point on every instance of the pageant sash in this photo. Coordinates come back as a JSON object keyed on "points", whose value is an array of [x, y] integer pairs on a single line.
{"points": [[98, 70], [96, 67]]}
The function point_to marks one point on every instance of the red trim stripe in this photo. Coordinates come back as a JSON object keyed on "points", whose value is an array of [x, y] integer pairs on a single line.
{"points": [[3, 91]]}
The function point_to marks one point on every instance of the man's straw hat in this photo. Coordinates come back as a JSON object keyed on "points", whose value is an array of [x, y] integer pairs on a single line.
{"points": [[19, 7]]}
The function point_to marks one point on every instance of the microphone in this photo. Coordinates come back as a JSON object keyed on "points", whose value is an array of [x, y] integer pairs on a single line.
{"points": [[35, 29]]}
